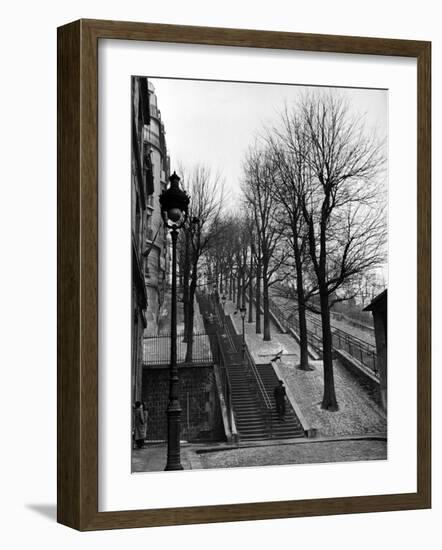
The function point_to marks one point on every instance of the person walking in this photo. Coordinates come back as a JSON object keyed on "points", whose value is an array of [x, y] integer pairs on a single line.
{"points": [[146, 418], [280, 396], [139, 425]]}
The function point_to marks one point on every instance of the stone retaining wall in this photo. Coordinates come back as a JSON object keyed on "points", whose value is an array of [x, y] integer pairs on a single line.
{"points": [[201, 413]]}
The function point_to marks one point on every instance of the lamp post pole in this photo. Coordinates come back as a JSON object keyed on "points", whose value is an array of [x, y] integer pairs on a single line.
{"points": [[174, 208], [173, 408]]}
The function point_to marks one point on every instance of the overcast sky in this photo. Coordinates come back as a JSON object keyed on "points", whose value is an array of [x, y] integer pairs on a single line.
{"points": [[214, 122]]}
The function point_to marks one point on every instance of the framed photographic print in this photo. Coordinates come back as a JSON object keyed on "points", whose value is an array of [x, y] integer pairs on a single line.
{"points": [[243, 275]]}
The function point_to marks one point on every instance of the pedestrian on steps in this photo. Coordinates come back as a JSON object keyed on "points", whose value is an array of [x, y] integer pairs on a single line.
{"points": [[146, 418], [139, 425], [280, 397]]}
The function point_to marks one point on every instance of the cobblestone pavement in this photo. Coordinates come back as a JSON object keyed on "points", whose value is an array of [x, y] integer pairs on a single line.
{"points": [[358, 414], [153, 458], [298, 453]]}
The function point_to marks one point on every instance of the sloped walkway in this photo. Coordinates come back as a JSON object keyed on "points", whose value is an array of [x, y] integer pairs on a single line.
{"points": [[262, 352], [358, 414]]}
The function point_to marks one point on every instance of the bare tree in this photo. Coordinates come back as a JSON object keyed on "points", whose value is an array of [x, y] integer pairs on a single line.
{"points": [[293, 173], [260, 179], [342, 203], [201, 230]]}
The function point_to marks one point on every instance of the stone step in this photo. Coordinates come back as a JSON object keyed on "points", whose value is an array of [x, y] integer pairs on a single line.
{"points": [[250, 418], [243, 399], [259, 437], [253, 421], [257, 433], [251, 429]]}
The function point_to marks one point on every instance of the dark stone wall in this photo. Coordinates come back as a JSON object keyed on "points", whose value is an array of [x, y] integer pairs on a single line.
{"points": [[201, 418]]}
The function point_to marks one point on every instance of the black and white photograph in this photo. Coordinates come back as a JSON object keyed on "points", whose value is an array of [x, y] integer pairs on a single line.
{"points": [[259, 274]]}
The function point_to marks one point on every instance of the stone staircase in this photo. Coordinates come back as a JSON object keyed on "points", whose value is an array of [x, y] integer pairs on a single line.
{"points": [[254, 421], [249, 419], [290, 427]]}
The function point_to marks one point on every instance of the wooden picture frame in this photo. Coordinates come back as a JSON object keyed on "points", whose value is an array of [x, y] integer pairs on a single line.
{"points": [[77, 226]]}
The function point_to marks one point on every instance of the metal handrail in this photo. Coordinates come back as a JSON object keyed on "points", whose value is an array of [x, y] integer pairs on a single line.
{"points": [[344, 334], [225, 380], [311, 318], [356, 347], [261, 390], [258, 378]]}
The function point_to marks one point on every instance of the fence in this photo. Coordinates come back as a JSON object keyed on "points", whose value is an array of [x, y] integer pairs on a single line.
{"points": [[364, 352], [360, 350], [156, 349]]}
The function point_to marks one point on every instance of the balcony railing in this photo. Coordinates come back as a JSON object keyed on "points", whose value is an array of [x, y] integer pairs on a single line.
{"points": [[156, 349]]}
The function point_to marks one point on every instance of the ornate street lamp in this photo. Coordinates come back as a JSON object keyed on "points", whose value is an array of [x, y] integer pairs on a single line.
{"points": [[174, 203], [243, 311]]}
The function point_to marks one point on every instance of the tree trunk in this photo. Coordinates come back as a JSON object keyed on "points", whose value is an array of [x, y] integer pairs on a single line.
{"points": [[265, 296], [258, 298], [238, 292], [329, 401], [303, 339], [191, 315], [250, 320], [230, 287]]}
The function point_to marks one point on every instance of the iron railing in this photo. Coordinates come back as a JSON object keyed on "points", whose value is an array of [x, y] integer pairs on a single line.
{"points": [[359, 349], [156, 349], [260, 391], [225, 380]]}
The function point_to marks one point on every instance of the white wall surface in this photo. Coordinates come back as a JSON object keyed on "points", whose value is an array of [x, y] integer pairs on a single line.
{"points": [[28, 271]]}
